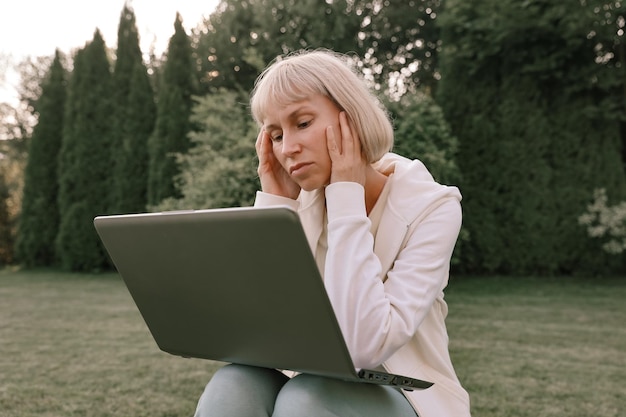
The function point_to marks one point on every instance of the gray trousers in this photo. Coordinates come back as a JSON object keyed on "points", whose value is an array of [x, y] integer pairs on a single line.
{"points": [[246, 391]]}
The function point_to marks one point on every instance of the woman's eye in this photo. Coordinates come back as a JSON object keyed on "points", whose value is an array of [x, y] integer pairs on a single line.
{"points": [[276, 138], [303, 125]]}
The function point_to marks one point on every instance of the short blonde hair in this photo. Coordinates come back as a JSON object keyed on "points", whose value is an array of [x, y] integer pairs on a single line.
{"points": [[296, 76]]}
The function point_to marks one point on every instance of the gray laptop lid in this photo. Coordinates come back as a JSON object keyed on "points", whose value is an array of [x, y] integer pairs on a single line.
{"points": [[235, 285]]}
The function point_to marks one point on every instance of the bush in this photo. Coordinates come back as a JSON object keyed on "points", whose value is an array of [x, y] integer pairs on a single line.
{"points": [[421, 132], [605, 222], [220, 168]]}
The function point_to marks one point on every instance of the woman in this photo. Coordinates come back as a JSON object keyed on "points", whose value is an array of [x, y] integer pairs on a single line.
{"points": [[382, 232]]}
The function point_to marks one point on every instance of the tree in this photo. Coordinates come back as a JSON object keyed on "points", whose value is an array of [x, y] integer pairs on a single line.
{"points": [[133, 120], [228, 58], [32, 71], [421, 132], [39, 220], [396, 41], [238, 40], [15, 126], [609, 25], [524, 92], [85, 159], [6, 235], [220, 168], [400, 43], [177, 85], [17, 119]]}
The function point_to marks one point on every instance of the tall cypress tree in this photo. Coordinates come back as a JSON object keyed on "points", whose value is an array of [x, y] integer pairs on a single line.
{"points": [[39, 221], [133, 119], [85, 161], [177, 85]]}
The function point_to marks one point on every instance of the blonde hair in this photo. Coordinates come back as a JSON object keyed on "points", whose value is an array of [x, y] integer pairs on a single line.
{"points": [[296, 76]]}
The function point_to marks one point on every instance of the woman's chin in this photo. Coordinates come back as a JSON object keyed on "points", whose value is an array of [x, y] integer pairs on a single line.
{"points": [[310, 185]]}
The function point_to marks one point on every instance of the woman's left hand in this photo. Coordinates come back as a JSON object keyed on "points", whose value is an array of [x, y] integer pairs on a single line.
{"points": [[348, 162]]}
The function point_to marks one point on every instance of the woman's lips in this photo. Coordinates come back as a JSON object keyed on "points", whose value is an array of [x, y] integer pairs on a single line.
{"points": [[299, 169]]}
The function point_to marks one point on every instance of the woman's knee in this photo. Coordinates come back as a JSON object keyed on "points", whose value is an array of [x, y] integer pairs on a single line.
{"points": [[244, 376], [301, 396], [310, 395], [241, 390]]}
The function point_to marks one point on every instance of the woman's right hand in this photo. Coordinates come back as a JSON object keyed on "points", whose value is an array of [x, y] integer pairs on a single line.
{"points": [[274, 179]]}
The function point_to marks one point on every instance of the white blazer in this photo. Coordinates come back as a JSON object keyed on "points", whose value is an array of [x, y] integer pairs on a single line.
{"points": [[387, 290]]}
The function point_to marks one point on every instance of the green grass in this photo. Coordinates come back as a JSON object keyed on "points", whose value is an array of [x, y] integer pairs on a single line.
{"points": [[540, 347], [75, 345]]}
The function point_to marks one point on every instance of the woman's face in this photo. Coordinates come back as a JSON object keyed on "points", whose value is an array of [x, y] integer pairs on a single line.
{"points": [[298, 134]]}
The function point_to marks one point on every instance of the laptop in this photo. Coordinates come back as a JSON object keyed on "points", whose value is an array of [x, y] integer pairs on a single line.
{"points": [[237, 285]]}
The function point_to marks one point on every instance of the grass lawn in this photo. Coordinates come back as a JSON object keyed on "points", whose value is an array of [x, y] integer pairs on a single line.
{"points": [[75, 345], [540, 347]]}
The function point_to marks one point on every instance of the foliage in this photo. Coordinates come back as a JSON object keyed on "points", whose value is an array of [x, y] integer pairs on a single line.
{"points": [[400, 42], [177, 85], [6, 235], [220, 168], [606, 222], [16, 124], [533, 92], [85, 159], [421, 132], [32, 71], [396, 40], [13, 154], [133, 120], [39, 222], [16, 127], [538, 131]]}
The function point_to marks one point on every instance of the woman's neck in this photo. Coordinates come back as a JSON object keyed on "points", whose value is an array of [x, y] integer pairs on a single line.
{"points": [[374, 184]]}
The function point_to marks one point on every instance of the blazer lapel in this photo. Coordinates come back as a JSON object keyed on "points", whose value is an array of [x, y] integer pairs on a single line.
{"points": [[389, 238]]}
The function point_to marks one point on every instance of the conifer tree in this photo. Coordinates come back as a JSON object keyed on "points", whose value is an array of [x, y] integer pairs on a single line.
{"points": [[39, 221], [85, 161], [532, 105], [6, 237], [133, 119], [177, 85]]}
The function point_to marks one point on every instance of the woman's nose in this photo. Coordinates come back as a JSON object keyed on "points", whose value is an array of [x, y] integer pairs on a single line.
{"points": [[291, 144]]}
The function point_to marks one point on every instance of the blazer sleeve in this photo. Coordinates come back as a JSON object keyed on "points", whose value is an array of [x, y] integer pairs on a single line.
{"points": [[267, 200], [379, 314]]}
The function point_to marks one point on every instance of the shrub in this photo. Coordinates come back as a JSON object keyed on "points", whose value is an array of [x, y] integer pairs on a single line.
{"points": [[606, 222]]}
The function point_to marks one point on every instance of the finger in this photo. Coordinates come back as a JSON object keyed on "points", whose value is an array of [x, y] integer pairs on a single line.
{"points": [[264, 150], [331, 142], [355, 136], [348, 138], [259, 140]]}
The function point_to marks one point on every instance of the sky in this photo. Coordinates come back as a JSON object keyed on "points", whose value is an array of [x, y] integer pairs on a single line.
{"points": [[38, 27]]}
